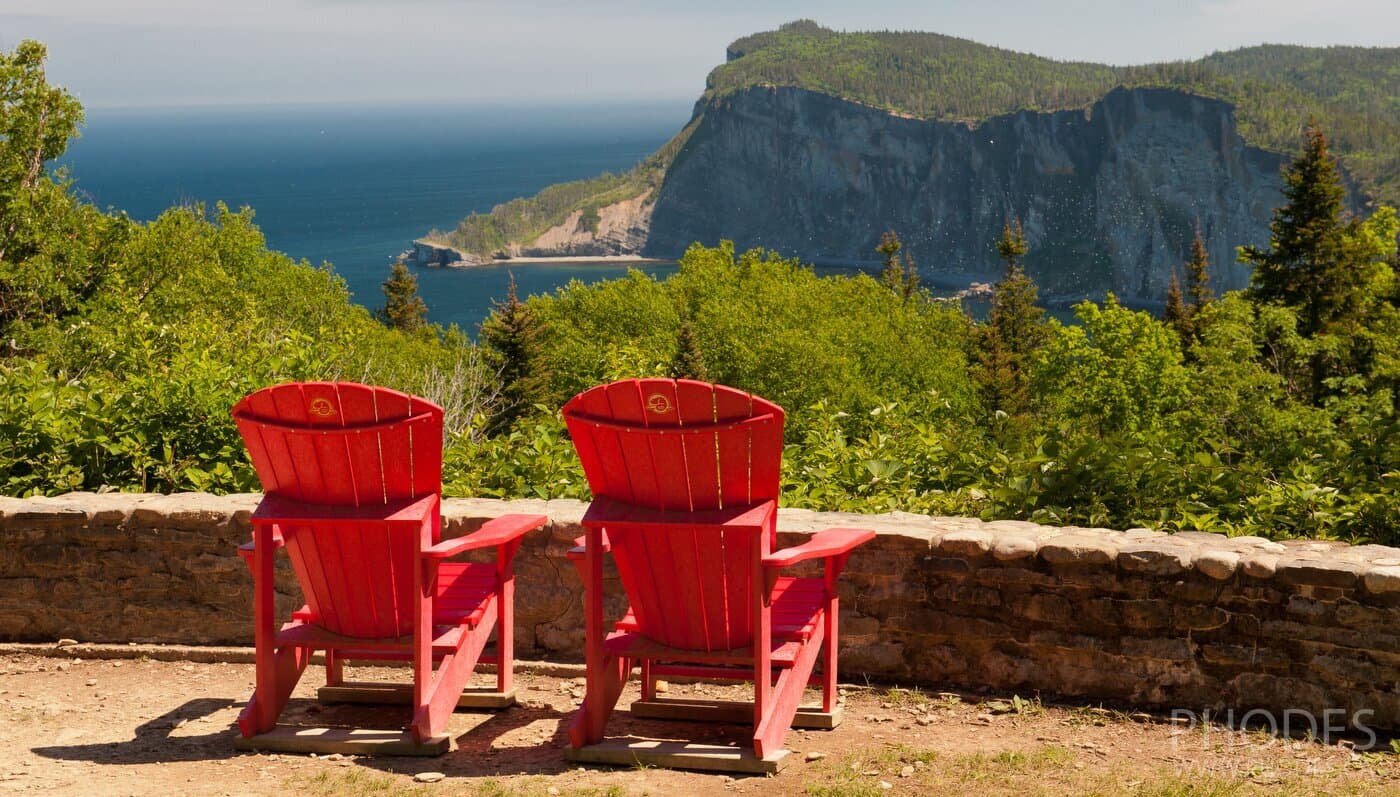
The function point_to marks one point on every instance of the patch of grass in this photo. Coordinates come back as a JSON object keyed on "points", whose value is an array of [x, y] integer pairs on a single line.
{"points": [[899, 696], [356, 782], [981, 766]]}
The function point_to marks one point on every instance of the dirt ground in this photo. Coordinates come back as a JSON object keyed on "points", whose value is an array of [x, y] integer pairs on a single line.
{"points": [[136, 727]]}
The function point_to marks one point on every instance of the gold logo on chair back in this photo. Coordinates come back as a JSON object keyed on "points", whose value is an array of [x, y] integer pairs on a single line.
{"points": [[658, 403], [321, 408]]}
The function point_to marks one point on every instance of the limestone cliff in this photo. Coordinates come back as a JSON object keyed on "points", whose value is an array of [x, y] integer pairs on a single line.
{"points": [[1109, 196], [617, 229]]}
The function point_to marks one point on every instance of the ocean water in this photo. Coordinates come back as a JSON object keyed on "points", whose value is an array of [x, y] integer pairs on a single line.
{"points": [[353, 186]]}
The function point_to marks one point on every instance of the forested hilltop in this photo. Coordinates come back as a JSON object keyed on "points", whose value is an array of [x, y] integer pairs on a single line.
{"points": [[123, 345], [1353, 91]]}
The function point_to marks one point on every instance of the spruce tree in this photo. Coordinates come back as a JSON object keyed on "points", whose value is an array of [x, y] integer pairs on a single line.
{"points": [[1198, 274], [688, 363], [1175, 314], [911, 277], [1311, 263], [892, 275], [512, 338], [1015, 329], [1012, 245], [403, 307]]}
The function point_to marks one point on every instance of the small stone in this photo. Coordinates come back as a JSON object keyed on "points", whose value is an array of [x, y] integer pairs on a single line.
{"points": [[428, 777], [91, 682], [1260, 566], [1079, 549], [1383, 579], [66, 643], [906, 771], [813, 755], [1218, 565], [886, 785], [966, 542], [662, 687], [1155, 558], [1012, 547]]}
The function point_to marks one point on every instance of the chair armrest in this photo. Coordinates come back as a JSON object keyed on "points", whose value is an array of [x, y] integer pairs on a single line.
{"points": [[822, 545], [497, 531], [610, 513], [580, 548], [407, 511]]}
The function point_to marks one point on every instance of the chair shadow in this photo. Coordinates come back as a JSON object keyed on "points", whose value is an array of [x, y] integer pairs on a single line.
{"points": [[497, 745], [152, 741]]}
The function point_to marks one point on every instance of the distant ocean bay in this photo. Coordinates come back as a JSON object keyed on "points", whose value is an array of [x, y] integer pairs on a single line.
{"points": [[354, 186]]}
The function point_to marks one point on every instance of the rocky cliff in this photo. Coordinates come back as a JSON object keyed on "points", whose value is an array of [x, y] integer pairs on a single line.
{"points": [[1110, 196]]}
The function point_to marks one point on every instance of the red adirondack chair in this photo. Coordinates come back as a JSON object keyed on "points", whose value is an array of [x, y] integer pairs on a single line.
{"points": [[352, 480], [684, 477]]}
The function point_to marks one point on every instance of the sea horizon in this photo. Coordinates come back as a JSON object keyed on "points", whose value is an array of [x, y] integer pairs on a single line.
{"points": [[353, 185]]}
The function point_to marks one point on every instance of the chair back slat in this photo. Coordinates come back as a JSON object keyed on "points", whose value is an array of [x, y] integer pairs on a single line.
{"points": [[681, 446], [346, 444]]}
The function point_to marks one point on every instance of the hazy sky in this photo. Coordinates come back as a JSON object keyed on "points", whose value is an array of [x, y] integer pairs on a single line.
{"points": [[167, 52]]}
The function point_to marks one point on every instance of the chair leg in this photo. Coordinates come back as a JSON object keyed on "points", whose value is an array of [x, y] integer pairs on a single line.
{"points": [[785, 697], [505, 635], [829, 690], [604, 688], [335, 669], [648, 681], [445, 685], [273, 690]]}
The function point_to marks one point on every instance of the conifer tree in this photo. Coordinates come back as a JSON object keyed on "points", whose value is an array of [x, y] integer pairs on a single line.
{"points": [[1198, 274], [901, 277], [1311, 263], [512, 338], [1015, 329], [911, 277], [892, 275], [688, 363], [1012, 245], [403, 307], [1175, 314]]}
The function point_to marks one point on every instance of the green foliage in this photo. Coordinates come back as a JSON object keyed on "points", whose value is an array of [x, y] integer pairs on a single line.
{"points": [[769, 326], [126, 344]]}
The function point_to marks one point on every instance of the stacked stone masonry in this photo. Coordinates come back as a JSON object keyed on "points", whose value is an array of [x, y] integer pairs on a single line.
{"points": [[1192, 621]]}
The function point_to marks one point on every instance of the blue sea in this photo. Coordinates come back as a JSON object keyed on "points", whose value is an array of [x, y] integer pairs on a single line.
{"points": [[353, 186]]}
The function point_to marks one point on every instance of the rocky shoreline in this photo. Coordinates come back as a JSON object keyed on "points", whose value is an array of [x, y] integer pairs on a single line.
{"points": [[434, 255]]}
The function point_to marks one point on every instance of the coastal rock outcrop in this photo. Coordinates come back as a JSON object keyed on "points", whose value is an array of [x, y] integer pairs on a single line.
{"points": [[1110, 196], [617, 229]]}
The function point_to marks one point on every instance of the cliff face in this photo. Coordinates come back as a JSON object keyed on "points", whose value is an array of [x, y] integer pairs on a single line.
{"points": [[617, 229], [1109, 197]]}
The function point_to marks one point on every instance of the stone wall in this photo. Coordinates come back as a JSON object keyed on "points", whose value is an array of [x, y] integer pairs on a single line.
{"points": [[1188, 621]]}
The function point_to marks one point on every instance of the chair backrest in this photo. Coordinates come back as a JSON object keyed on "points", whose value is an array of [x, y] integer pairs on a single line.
{"points": [[347, 444], [682, 446]]}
